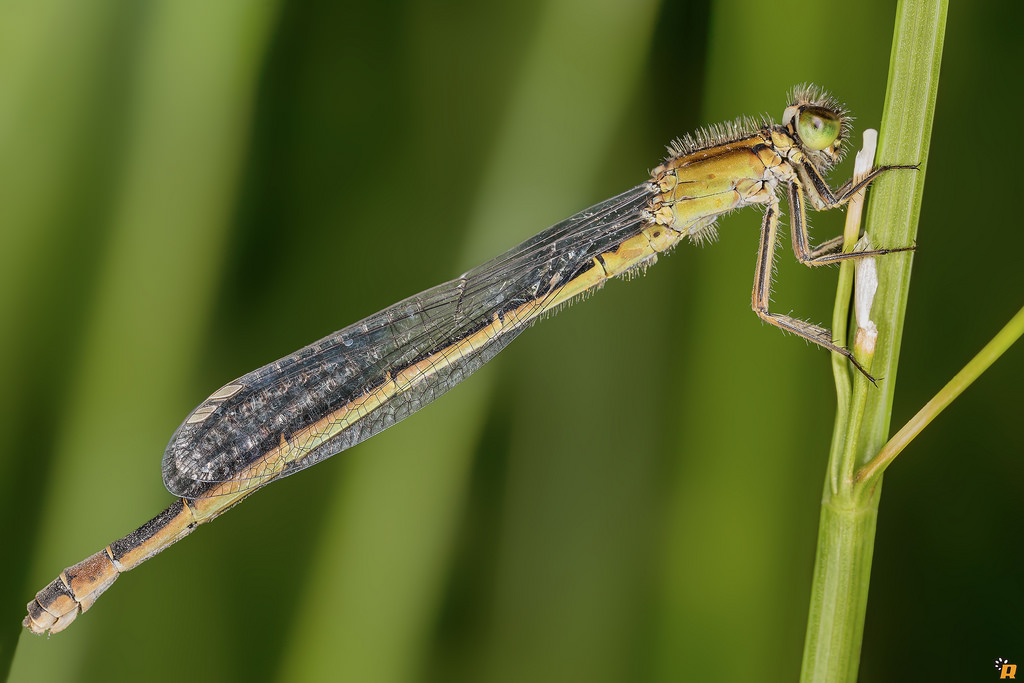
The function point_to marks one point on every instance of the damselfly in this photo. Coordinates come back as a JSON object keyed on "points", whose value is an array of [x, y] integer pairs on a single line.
{"points": [[354, 383]]}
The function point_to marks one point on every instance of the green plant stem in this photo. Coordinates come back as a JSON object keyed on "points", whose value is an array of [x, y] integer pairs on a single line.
{"points": [[850, 507]]}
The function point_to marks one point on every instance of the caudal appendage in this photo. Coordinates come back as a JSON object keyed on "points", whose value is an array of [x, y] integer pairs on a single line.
{"points": [[70, 594], [78, 586]]}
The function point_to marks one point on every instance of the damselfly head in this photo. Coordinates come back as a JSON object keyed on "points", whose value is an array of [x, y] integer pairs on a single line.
{"points": [[819, 122]]}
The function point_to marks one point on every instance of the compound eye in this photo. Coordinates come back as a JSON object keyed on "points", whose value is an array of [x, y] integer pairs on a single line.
{"points": [[818, 127]]}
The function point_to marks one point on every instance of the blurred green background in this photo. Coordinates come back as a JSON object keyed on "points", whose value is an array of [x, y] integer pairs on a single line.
{"points": [[630, 493]]}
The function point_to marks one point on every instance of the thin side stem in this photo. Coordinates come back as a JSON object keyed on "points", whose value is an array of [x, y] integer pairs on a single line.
{"points": [[956, 386]]}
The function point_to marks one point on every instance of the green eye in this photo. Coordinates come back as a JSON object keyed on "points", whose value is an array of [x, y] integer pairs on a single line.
{"points": [[817, 127]]}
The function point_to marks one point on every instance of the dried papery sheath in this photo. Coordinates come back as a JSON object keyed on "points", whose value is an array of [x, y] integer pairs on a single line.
{"points": [[866, 277], [861, 167], [864, 289]]}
